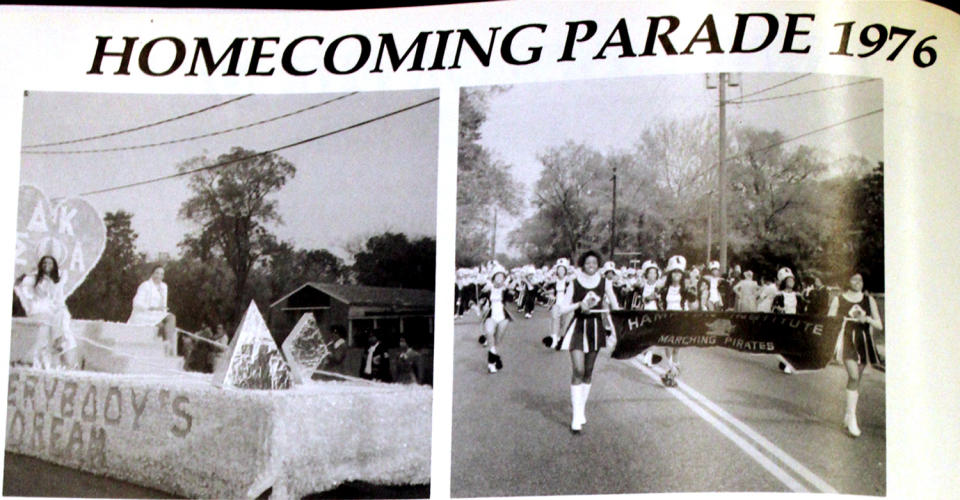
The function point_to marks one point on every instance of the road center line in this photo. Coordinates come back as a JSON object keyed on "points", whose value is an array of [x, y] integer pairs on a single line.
{"points": [[789, 461], [788, 480]]}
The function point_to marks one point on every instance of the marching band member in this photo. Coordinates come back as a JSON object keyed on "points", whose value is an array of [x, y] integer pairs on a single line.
{"points": [[562, 272], [787, 301], [649, 286], [495, 318], [43, 299], [629, 282], [457, 287], [714, 299], [645, 298], [673, 297], [586, 335], [860, 313]]}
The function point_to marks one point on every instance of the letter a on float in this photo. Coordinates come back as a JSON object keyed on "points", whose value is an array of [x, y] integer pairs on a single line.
{"points": [[253, 360]]}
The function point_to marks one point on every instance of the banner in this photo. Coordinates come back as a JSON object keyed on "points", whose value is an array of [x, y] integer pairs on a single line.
{"points": [[807, 342]]}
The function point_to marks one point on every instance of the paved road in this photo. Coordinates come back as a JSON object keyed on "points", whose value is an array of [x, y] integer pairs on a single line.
{"points": [[735, 424], [27, 476]]}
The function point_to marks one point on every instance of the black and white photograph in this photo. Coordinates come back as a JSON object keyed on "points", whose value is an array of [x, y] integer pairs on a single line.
{"points": [[224, 296], [670, 283]]}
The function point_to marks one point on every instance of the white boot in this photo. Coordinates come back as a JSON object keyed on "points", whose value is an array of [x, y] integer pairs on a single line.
{"points": [[584, 395], [576, 398], [850, 417]]}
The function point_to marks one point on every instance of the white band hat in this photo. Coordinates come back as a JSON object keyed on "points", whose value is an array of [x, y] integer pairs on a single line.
{"points": [[783, 274], [676, 263]]}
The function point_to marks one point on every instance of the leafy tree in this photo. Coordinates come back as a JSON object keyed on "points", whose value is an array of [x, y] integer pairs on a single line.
{"points": [[392, 260], [287, 268], [485, 185], [787, 206], [567, 200], [201, 292], [107, 292], [667, 188], [233, 208]]}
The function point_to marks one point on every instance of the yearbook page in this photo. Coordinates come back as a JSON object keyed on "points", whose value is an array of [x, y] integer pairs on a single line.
{"points": [[511, 249]]}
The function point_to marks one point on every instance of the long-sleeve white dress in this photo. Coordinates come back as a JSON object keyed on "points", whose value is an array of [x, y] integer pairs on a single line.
{"points": [[150, 304]]}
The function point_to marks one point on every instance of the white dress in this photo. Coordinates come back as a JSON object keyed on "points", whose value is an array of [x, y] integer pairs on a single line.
{"points": [[46, 303], [149, 296]]}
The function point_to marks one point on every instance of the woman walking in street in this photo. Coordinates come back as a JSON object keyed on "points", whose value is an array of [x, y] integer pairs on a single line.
{"points": [[495, 318], [586, 297], [860, 313]]}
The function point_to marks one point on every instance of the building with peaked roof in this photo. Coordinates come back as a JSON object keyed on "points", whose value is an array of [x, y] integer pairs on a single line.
{"points": [[360, 310]]}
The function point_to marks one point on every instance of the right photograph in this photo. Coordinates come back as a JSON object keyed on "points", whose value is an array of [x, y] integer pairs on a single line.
{"points": [[670, 283]]}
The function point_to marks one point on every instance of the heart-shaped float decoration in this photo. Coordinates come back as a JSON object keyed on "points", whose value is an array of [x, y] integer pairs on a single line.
{"points": [[71, 231]]}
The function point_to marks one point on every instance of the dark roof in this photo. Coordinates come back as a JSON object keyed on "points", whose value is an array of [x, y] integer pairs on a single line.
{"points": [[359, 295]]}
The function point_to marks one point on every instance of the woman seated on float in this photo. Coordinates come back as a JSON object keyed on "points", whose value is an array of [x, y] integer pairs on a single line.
{"points": [[43, 300], [150, 308]]}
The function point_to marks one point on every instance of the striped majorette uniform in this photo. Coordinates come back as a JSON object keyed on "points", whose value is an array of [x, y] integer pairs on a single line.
{"points": [[586, 332]]}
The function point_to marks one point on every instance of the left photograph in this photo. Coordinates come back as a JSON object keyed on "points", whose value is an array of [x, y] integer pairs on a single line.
{"points": [[223, 296]]}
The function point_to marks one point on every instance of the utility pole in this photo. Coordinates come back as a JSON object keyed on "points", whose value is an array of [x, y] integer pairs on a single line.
{"points": [[709, 229], [723, 80], [613, 216], [722, 88], [493, 239]]}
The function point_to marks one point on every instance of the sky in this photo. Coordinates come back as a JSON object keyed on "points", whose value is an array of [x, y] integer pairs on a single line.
{"points": [[610, 115], [370, 179]]}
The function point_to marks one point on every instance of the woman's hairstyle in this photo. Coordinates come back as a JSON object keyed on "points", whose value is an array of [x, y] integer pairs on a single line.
{"points": [[583, 257], [154, 268], [54, 274], [783, 284], [846, 285], [671, 274]]}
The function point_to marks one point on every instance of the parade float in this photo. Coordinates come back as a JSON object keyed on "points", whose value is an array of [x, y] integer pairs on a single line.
{"points": [[259, 423]]}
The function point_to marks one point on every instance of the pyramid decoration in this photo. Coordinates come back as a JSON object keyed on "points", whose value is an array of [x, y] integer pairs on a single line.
{"points": [[306, 347], [253, 360]]}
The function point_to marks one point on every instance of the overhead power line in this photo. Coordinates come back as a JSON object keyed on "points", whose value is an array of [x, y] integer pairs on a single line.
{"points": [[195, 137], [813, 91], [805, 134], [141, 127], [781, 84], [262, 153], [711, 167]]}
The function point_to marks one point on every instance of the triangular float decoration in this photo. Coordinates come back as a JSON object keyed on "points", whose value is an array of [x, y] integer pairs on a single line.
{"points": [[306, 347], [253, 360]]}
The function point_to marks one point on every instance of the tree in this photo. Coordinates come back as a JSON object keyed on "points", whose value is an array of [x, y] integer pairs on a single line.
{"points": [[391, 260], [668, 187], [232, 206], [851, 229], [201, 292], [287, 268], [485, 186], [573, 183], [107, 292]]}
